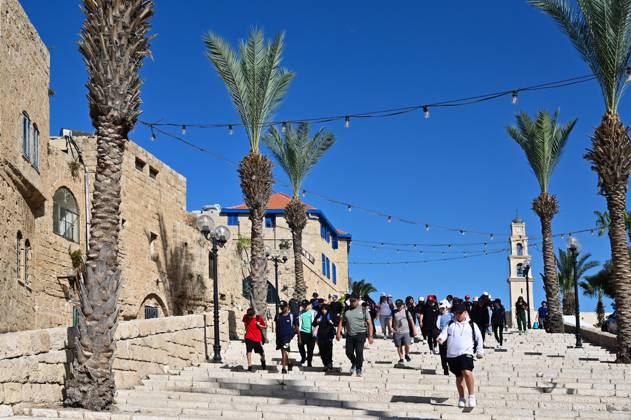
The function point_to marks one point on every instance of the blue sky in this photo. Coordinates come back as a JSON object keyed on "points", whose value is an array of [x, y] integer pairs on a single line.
{"points": [[458, 168]]}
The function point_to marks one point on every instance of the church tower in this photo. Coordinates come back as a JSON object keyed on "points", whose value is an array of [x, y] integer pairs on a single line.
{"points": [[519, 277]]}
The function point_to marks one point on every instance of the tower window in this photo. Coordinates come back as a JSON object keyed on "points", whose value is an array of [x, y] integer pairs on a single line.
{"points": [[520, 270], [520, 249]]}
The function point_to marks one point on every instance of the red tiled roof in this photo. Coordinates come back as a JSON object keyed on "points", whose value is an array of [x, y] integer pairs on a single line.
{"points": [[278, 201]]}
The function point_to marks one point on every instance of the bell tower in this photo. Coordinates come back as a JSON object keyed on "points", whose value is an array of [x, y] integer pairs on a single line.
{"points": [[519, 271]]}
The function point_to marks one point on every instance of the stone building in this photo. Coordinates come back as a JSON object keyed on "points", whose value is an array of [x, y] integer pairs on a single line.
{"points": [[45, 202]]}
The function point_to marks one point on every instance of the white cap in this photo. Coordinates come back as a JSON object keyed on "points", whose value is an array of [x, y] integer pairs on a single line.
{"points": [[383, 294], [485, 293], [475, 298], [389, 295], [421, 298], [445, 304]]}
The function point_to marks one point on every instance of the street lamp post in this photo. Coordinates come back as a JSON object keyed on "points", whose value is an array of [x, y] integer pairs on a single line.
{"points": [[218, 236], [575, 247], [278, 256], [527, 271]]}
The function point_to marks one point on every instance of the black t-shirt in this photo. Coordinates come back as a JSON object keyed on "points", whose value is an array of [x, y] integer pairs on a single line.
{"points": [[430, 315], [326, 327]]}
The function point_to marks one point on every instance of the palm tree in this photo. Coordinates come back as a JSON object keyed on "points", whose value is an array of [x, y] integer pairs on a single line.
{"points": [[114, 43], [362, 288], [257, 85], [593, 286], [601, 32], [603, 221], [297, 153], [565, 265], [542, 140]]}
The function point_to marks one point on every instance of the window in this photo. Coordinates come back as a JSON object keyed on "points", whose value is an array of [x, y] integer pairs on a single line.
{"points": [[152, 245], [18, 256], [520, 270], [26, 134], [27, 262], [75, 316], [65, 215], [140, 165], [270, 222], [35, 154], [334, 242], [520, 249], [328, 268], [153, 172], [323, 265], [272, 295], [322, 230], [151, 312], [233, 220], [334, 274]]}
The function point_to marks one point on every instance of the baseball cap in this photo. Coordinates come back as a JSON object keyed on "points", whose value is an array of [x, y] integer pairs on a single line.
{"points": [[475, 298], [458, 308], [467, 297], [334, 297], [485, 293], [421, 298], [354, 296], [399, 302], [305, 302], [282, 304]]}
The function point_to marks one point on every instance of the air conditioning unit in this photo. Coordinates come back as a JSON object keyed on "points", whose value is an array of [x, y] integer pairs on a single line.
{"points": [[66, 132]]}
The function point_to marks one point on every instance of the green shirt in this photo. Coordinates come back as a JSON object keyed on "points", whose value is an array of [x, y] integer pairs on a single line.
{"points": [[356, 321], [306, 319]]}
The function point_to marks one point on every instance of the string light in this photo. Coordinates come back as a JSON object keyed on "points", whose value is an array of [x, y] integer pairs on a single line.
{"points": [[347, 122], [425, 111], [304, 193], [183, 130], [153, 135], [230, 130], [350, 208], [283, 127], [389, 219], [462, 232], [514, 97], [426, 228]]}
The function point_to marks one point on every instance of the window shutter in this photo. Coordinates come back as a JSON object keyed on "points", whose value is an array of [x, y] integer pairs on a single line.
{"points": [[334, 274]]}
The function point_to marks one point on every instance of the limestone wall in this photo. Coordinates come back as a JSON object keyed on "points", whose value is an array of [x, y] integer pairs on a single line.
{"points": [[34, 364]]}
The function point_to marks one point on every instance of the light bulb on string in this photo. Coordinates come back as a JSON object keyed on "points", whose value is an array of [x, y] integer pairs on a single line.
{"points": [[347, 122], [426, 228], [350, 208], [230, 130], [183, 130], [153, 135], [283, 126], [462, 232], [304, 193], [492, 236], [592, 232], [514, 97], [389, 219], [425, 111]]}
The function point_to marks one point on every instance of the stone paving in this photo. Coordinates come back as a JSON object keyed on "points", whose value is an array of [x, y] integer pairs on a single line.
{"points": [[539, 376]]}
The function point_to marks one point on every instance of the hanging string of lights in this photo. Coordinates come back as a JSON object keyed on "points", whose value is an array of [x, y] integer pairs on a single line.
{"points": [[385, 113], [424, 261]]}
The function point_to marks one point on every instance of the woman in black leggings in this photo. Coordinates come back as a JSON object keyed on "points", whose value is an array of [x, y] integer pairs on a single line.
{"points": [[498, 320]]}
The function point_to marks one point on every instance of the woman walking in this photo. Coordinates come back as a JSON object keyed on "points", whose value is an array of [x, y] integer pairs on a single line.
{"points": [[430, 315], [385, 316], [498, 320], [325, 324], [520, 309]]}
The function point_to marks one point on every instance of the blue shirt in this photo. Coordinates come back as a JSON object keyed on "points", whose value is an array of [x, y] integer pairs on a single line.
{"points": [[543, 312], [443, 320], [285, 325]]}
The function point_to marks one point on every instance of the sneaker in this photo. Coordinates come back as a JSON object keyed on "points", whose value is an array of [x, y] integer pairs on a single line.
{"points": [[408, 358], [401, 361], [446, 372], [352, 369], [472, 401], [283, 371], [359, 373], [436, 350], [263, 365], [250, 369], [309, 364], [462, 403]]}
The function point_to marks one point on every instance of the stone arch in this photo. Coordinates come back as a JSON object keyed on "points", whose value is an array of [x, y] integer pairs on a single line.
{"points": [[153, 300], [520, 248]]}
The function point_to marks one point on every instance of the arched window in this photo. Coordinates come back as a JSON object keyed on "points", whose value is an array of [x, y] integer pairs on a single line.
{"points": [[520, 249], [520, 270], [27, 262], [18, 256], [65, 215]]}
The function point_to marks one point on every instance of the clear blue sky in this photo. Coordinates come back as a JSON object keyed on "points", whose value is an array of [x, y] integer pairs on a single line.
{"points": [[458, 168]]}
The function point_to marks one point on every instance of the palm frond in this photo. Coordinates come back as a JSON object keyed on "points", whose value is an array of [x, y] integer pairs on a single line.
{"points": [[601, 32], [565, 267], [542, 140], [254, 79], [296, 152]]}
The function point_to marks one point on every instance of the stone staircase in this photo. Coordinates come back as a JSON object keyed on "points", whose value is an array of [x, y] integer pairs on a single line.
{"points": [[539, 376]]}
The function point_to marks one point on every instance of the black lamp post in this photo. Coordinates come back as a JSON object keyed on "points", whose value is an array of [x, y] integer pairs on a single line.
{"points": [[278, 256], [526, 272], [575, 247], [218, 236]]}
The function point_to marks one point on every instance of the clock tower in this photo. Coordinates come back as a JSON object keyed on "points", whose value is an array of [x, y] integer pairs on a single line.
{"points": [[520, 277]]}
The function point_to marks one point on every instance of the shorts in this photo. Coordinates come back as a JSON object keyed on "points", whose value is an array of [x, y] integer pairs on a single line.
{"points": [[251, 345], [460, 363], [402, 339], [282, 343]]}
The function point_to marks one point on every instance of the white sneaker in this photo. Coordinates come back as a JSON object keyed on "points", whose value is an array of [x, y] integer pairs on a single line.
{"points": [[472, 401], [462, 403], [436, 350]]}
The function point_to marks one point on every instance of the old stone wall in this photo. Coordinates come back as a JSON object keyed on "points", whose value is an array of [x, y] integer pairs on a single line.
{"points": [[34, 364]]}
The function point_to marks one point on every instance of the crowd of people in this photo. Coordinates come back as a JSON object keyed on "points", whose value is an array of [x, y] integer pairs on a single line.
{"points": [[453, 328]]}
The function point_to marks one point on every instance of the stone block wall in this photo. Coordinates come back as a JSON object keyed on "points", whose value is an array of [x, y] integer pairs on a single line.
{"points": [[34, 364]]}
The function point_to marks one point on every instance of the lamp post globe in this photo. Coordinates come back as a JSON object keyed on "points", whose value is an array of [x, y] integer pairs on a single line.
{"points": [[205, 224], [222, 235], [574, 248]]}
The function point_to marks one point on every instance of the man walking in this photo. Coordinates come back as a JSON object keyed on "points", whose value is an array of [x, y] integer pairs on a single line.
{"points": [[542, 315], [464, 339], [358, 326], [403, 326], [286, 328], [306, 341]]}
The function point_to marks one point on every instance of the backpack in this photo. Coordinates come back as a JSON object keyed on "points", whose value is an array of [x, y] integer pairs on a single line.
{"points": [[475, 339], [410, 320]]}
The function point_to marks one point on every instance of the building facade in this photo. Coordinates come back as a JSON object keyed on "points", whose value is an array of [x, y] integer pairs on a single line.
{"points": [[520, 279]]}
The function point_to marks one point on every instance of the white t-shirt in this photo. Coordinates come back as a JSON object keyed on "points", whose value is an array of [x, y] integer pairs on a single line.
{"points": [[459, 337]]}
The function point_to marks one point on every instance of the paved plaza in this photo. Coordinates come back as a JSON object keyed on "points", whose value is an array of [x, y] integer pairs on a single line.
{"points": [[539, 376]]}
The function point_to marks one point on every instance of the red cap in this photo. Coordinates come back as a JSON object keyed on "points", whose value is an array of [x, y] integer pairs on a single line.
{"points": [[467, 297]]}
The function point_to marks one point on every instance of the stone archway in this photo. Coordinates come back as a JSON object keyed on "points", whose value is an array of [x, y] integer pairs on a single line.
{"points": [[150, 304]]}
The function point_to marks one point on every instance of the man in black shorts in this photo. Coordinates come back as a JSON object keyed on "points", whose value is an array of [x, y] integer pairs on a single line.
{"points": [[464, 340], [286, 328]]}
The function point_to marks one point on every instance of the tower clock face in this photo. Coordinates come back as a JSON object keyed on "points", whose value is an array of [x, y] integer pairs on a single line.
{"points": [[520, 230]]}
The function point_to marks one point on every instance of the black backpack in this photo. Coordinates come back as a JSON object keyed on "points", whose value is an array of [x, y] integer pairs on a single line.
{"points": [[475, 339]]}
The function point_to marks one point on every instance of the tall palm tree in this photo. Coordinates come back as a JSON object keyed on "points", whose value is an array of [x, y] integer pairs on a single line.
{"points": [[297, 153], [593, 286], [565, 265], [601, 32], [542, 140], [114, 43], [362, 288], [257, 85]]}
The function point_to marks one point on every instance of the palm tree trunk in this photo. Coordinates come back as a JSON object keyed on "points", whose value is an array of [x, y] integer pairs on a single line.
{"points": [[546, 207], [611, 158], [297, 220], [600, 308], [92, 383], [569, 303], [255, 172]]}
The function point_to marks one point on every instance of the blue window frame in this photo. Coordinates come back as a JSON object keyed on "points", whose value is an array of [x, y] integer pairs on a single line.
{"points": [[334, 274], [323, 265], [328, 268], [334, 242], [322, 230], [233, 220], [270, 222]]}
